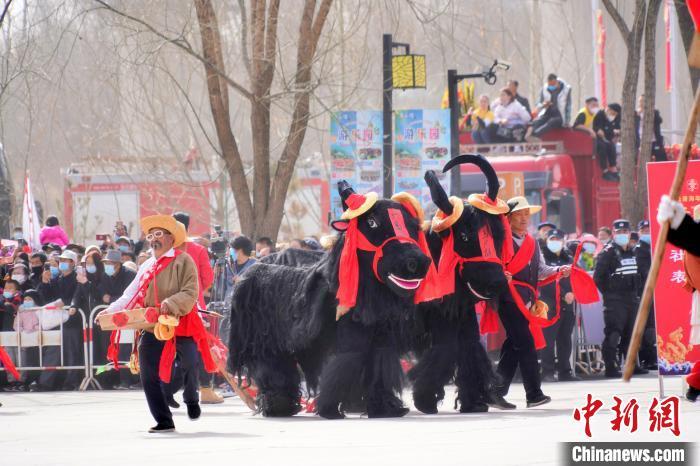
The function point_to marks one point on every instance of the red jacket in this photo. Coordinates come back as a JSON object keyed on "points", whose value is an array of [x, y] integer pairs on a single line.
{"points": [[204, 271]]}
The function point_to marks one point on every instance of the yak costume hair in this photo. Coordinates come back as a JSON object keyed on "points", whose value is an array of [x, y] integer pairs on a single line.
{"points": [[452, 350], [286, 319]]}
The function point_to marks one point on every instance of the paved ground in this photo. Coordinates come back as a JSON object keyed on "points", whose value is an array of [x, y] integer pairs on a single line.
{"points": [[71, 428]]}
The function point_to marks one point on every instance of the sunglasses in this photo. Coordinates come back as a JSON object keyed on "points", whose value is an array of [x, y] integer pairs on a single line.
{"points": [[155, 235]]}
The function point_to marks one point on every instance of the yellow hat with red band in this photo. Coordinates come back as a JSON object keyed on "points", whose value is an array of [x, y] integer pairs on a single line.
{"points": [[441, 221], [483, 202], [358, 204]]}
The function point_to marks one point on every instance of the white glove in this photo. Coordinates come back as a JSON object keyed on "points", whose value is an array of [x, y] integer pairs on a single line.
{"points": [[670, 210]]}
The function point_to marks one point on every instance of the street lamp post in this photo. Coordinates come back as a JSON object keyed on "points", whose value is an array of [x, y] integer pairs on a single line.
{"points": [[411, 75], [453, 80]]}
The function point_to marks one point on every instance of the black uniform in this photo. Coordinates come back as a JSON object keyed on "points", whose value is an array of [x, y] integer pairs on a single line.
{"points": [[558, 336], [647, 351], [617, 277]]}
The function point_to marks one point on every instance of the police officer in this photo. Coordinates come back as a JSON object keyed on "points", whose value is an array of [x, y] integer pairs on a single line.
{"points": [[558, 335], [617, 277], [647, 351]]}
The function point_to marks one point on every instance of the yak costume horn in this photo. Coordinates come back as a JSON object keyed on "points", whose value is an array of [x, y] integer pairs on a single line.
{"points": [[489, 201], [437, 192]]}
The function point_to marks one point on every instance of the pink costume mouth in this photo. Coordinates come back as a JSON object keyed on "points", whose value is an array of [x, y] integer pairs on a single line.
{"points": [[412, 284]]}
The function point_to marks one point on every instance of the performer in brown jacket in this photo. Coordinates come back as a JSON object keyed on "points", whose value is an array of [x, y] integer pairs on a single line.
{"points": [[168, 281]]}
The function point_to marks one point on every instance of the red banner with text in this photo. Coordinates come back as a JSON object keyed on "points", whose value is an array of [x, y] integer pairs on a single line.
{"points": [[671, 301]]}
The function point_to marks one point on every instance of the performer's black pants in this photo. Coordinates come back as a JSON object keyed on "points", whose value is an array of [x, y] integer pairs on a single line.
{"points": [[619, 316], [150, 349], [518, 350], [606, 153], [558, 337]]}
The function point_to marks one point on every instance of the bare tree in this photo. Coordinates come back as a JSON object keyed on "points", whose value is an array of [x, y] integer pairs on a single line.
{"points": [[632, 205]]}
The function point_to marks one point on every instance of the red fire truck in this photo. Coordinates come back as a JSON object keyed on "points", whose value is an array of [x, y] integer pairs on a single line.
{"points": [[560, 173]]}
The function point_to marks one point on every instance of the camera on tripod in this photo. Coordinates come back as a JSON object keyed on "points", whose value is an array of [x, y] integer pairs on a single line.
{"points": [[219, 243]]}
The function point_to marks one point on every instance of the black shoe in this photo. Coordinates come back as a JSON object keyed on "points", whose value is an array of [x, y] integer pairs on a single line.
{"points": [[496, 401], [569, 377], [538, 401], [172, 403], [474, 408], [193, 411], [385, 405], [388, 413], [651, 366], [39, 388], [162, 428], [640, 370], [612, 374], [548, 378], [609, 176], [692, 394]]}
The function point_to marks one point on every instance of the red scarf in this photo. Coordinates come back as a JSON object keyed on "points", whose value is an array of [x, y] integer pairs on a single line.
{"points": [[8, 364], [349, 268]]}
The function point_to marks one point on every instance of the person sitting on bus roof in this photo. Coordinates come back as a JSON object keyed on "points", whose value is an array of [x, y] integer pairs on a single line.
{"points": [[513, 86], [606, 125], [553, 107], [584, 118], [510, 119], [480, 119]]}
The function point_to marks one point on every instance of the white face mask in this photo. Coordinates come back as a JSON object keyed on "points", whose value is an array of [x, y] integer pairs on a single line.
{"points": [[611, 118], [19, 278], [555, 246]]}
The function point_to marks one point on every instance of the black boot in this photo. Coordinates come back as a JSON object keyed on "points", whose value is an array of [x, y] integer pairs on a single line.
{"points": [[425, 402], [193, 411], [385, 405], [692, 394], [494, 400], [276, 404]]}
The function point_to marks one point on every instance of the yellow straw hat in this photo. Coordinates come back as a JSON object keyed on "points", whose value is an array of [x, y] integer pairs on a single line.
{"points": [[166, 222]]}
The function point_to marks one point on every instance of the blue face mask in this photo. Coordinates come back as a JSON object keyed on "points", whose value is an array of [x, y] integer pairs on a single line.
{"points": [[17, 236], [91, 268], [27, 304], [8, 294], [555, 246], [551, 88], [622, 239], [646, 238], [589, 248], [109, 269], [64, 266], [54, 271], [123, 248]]}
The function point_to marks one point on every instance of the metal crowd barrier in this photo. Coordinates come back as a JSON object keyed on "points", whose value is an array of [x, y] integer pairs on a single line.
{"points": [[126, 337], [45, 338]]}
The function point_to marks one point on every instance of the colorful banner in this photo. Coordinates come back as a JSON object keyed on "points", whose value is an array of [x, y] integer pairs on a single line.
{"points": [[421, 143], [356, 154], [671, 301]]}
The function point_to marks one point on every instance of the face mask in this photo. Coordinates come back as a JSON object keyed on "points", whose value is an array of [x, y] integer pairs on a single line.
{"points": [[646, 238], [555, 246], [622, 239], [17, 236], [611, 118], [20, 278], [37, 270], [109, 269], [552, 88], [593, 110], [91, 268], [123, 248], [589, 248], [8, 294], [28, 304], [54, 271], [64, 266]]}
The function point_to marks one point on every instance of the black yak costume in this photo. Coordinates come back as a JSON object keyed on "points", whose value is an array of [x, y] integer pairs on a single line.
{"points": [[466, 241], [338, 321]]}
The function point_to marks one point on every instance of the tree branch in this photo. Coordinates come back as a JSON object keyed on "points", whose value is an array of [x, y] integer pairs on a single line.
{"points": [[180, 43], [619, 20]]}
